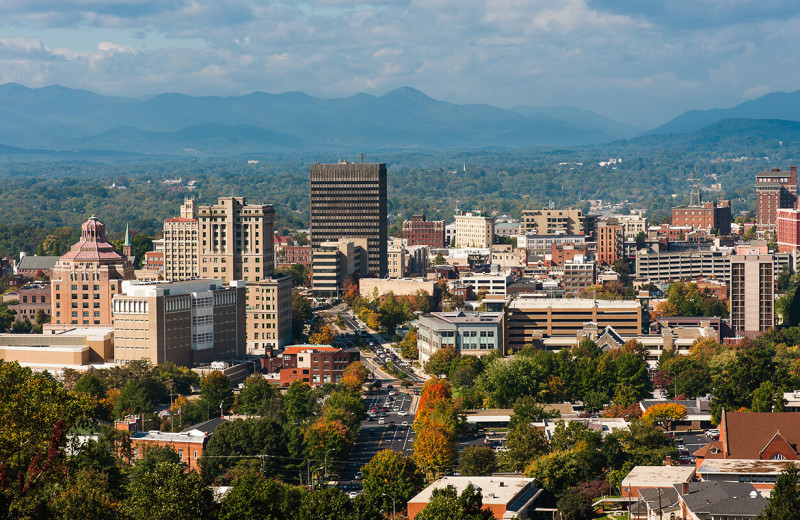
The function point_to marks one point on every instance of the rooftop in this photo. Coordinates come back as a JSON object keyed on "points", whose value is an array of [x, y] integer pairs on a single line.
{"points": [[159, 436], [658, 476], [496, 490], [297, 349], [572, 303], [741, 466], [723, 498]]}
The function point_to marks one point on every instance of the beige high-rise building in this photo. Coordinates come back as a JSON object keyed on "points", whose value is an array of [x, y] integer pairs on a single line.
{"points": [[181, 253], [186, 322], [396, 256], [236, 240], [85, 279], [752, 294], [474, 229], [553, 222]]}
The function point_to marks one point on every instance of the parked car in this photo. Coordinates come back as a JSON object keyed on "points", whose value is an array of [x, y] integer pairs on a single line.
{"points": [[404, 424]]}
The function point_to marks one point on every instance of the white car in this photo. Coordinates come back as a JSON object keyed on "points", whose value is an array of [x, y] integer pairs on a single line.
{"points": [[352, 494], [402, 413], [404, 424], [381, 421]]}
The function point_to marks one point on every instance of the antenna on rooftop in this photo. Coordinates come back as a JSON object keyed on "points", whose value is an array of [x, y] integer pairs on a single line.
{"points": [[362, 155]]}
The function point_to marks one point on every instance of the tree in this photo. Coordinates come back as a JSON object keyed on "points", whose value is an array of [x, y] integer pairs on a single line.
{"points": [[391, 473], [439, 259], [85, 495], [354, 376], [768, 398], [524, 443], [139, 396], [215, 390], [477, 460], [446, 504], [434, 448], [440, 361], [784, 500], [664, 414], [299, 402], [408, 346], [243, 438], [254, 497], [169, 493], [575, 506], [324, 337], [528, 410], [256, 396]]}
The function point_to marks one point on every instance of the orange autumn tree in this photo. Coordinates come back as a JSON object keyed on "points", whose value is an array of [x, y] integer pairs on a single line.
{"points": [[324, 337], [664, 414], [354, 376], [434, 449], [436, 424]]}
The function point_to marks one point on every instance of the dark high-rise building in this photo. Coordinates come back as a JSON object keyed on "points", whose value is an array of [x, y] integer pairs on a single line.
{"points": [[348, 200], [775, 190]]}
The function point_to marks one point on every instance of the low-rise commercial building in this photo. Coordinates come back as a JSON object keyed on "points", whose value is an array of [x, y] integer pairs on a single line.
{"points": [[532, 319], [55, 350], [506, 496], [470, 333], [312, 364]]}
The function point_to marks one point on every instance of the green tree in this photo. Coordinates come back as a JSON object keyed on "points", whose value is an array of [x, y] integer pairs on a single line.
{"points": [[784, 500], [575, 506], [257, 396], [528, 410], [248, 437], [254, 497], [446, 504], [524, 443], [139, 396], [477, 460], [768, 398], [299, 402], [393, 474], [440, 361], [167, 492], [439, 259], [215, 390]]}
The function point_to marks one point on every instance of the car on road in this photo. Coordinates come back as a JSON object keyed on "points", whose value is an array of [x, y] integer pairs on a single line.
{"points": [[358, 475], [381, 420], [352, 494], [402, 413], [396, 409], [712, 433], [404, 424], [392, 393]]}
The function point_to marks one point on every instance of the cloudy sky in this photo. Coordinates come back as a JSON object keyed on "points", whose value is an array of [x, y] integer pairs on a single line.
{"points": [[638, 61]]}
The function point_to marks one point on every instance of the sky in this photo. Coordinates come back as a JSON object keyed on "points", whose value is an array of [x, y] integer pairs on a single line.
{"points": [[641, 62]]}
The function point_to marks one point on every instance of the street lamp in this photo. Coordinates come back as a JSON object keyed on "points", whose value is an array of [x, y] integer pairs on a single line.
{"points": [[326, 462], [394, 508], [312, 477]]}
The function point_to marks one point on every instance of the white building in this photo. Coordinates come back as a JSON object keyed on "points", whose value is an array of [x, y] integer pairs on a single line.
{"points": [[474, 229]]}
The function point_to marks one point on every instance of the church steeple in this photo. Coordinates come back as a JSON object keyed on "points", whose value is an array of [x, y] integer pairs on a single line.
{"points": [[126, 245]]}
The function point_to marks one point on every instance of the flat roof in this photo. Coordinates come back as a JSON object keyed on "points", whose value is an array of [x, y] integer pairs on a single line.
{"points": [[194, 436], [572, 303], [496, 490], [748, 466], [658, 476]]}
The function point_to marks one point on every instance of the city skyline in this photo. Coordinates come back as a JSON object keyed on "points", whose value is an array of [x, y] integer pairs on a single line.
{"points": [[640, 64]]}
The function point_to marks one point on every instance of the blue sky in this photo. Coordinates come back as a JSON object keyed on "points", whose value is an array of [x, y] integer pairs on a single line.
{"points": [[638, 61]]}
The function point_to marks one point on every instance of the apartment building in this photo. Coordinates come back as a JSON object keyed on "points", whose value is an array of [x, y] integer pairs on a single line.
{"points": [[610, 240], [181, 244], [752, 294], [788, 229], [396, 261], [474, 229], [269, 314], [86, 278], [488, 283], [553, 222], [680, 265], [706, 216], [187, 322], [348, 200], [578, 275]]}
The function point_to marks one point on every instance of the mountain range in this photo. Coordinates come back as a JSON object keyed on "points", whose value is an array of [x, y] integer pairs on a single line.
{"points": [[59, 121]]}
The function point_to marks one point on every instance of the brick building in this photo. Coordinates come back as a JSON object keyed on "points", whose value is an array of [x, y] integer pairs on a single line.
{"points": [[788, 226], [33, 266], [312, 364], [30, 299], [706, 216], [752, 293], [181, 245], [553, 222], [506, 496], [563, 253], [610, 240], [85, 279], [153, 261], [421, 232], [775, 190], [578, 276], [295, 255]]}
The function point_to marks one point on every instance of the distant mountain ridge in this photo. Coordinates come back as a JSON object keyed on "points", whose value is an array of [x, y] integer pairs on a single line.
{"points": [[59, 118], [777, 105]]}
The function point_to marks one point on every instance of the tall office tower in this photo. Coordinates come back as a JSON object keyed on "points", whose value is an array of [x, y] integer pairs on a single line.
{"points": [[752, 294], [85, 279], [610, 240], [774, 190], [348, 200], [236, 243], [474, 229], [181, 253]]}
